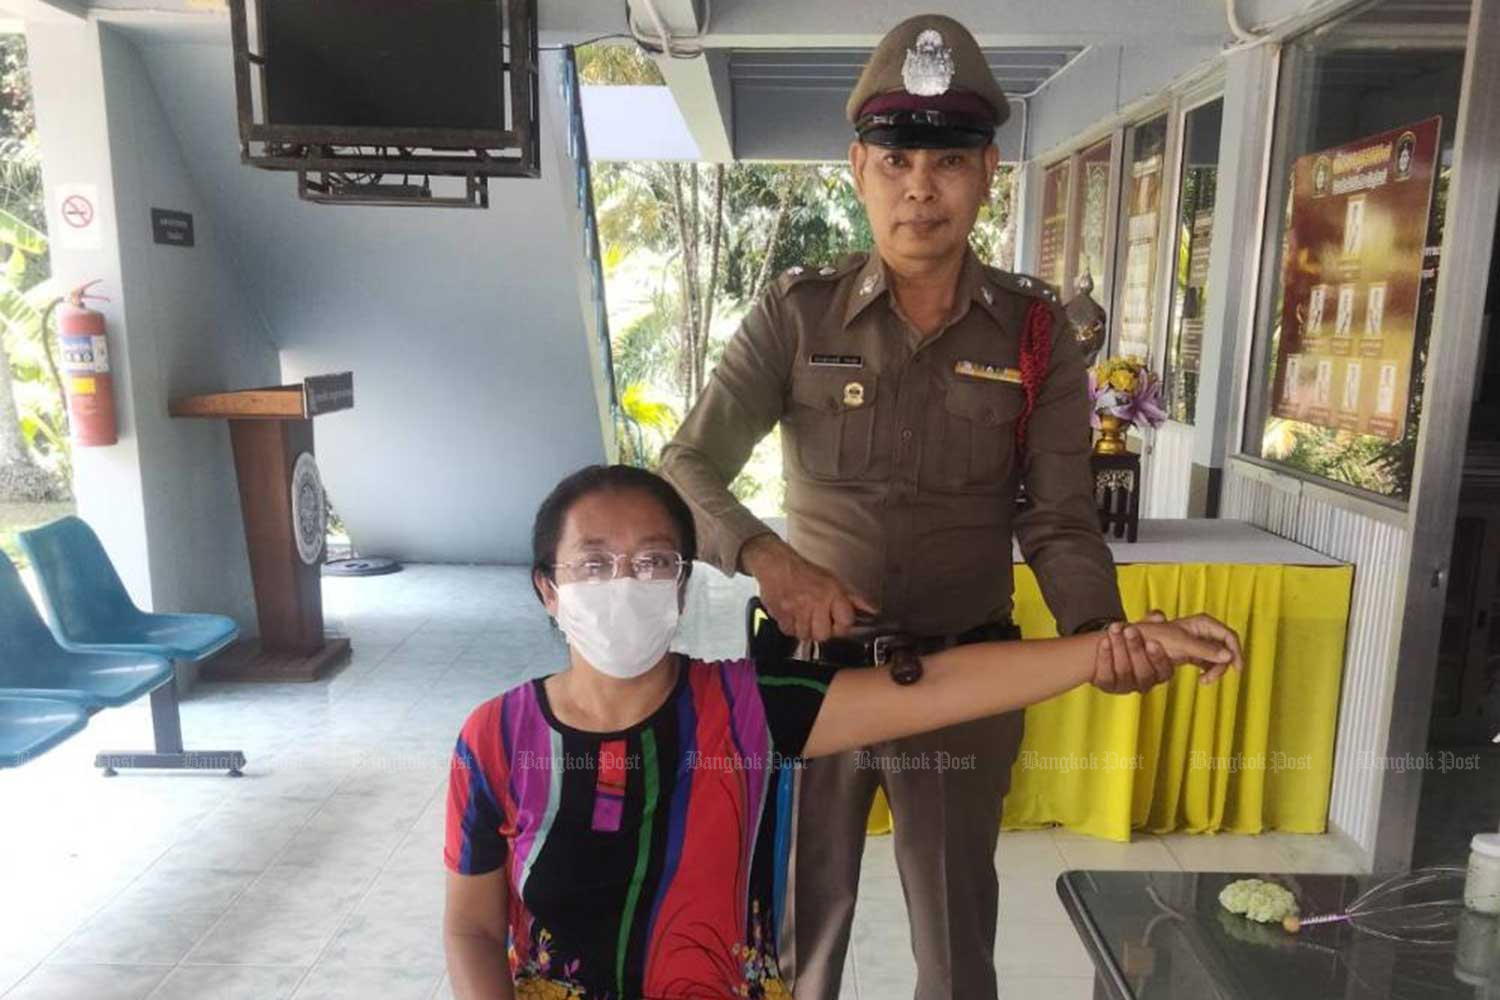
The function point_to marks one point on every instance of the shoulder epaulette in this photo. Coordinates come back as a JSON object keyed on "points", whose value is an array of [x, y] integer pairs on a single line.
{"points": [[801, 274], [1025, 284]]}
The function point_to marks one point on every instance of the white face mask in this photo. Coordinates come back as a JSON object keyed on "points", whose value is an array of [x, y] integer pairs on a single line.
{"points": [[623, 627]]}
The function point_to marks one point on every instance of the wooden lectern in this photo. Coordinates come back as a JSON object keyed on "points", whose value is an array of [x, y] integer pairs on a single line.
{"points": [[285, 523]]}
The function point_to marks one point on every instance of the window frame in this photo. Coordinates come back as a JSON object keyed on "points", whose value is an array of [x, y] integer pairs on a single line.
{"points": [[1189, 101], [1251, 376]]}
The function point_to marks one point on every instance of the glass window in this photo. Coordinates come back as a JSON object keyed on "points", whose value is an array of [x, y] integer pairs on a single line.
{"points": [[1050, 252], [1145, 147], [1194, 236], [1091, 220], [1360, 165]]}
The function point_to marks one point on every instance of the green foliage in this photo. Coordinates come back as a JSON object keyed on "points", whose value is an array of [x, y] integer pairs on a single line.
{"points": [[617, 63], [643, 353], [27, 348], [647, 424]]}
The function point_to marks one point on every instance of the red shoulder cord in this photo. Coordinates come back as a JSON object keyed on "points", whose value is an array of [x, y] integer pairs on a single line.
{"points": [[1036, 355]]}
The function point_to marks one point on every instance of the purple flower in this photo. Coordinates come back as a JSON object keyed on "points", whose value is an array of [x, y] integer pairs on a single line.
{"points": [[1141, 408]]}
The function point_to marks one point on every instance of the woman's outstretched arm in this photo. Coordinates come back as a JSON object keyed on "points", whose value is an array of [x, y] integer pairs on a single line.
{"points": [[972, 682]]}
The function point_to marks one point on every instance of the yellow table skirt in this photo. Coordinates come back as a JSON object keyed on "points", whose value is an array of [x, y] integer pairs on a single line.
{"points": [[1253, 752]]}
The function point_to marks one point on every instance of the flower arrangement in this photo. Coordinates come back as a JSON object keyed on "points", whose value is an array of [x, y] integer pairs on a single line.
{"points": [[1123, 393], [1127, 389]]}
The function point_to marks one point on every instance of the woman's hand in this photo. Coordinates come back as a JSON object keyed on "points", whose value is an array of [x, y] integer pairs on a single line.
{"points": [[1198, 639], [1129, 660]]}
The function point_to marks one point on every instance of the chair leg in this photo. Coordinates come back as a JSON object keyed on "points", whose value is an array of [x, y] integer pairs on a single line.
{"points": [[166, 725]]}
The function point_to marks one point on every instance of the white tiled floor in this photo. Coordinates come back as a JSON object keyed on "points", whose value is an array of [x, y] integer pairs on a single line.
{"points": [[318, 874]]}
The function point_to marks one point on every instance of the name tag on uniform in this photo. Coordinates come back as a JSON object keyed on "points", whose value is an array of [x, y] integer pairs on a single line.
{"points": [[837, 361], [992, 373]]}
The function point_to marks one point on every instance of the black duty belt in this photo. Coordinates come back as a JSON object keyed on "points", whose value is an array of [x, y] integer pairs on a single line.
{"points": [[867, 652]]}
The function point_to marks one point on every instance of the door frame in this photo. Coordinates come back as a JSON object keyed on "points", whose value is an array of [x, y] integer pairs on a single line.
{"points": [[1469, 240]]}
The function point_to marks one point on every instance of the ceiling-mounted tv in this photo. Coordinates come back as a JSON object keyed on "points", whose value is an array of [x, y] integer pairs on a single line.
{"points": [[373, 88]]}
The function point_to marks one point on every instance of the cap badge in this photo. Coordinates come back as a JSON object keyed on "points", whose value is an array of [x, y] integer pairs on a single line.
{"points": [[854, 394], [928, 70]]}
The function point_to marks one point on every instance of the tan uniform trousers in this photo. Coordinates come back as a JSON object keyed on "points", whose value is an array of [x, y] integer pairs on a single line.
{"points": [[945, 790]]}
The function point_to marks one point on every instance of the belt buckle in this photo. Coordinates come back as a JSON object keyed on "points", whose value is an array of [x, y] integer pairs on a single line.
{"points": [[880, 649]]}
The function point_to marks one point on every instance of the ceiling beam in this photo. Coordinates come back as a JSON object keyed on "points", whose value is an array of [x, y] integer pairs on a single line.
{"points": [[701, 88], [699, 84], [862, 23]]}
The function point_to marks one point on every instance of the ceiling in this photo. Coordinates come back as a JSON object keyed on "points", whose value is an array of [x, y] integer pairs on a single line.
{"points": [[1020, 70]]}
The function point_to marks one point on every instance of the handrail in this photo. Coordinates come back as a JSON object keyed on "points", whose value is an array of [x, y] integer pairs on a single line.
{"points": [[578, 151]]}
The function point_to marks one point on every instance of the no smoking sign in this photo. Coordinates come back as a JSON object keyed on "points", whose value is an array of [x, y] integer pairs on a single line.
{"points": [[78, 213]]}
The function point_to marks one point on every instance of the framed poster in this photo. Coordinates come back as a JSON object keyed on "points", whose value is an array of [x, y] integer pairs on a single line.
{"points": [[1351, 276], [1054, 233], [1091, 221], [1139, 233]]}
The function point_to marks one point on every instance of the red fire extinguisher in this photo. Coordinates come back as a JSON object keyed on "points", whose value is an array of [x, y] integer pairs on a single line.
{"points": [[85, 370]]}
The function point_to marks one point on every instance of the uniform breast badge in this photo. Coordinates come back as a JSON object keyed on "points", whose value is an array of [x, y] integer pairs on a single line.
{"points": [[992, 373], [854, 395]]}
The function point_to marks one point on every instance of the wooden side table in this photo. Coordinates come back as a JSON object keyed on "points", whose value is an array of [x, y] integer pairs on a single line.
{"points": [[1117, 494]]}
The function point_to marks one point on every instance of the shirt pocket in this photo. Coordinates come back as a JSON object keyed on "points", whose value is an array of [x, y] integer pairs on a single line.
{"points": [[979, 439], [832, 423]]}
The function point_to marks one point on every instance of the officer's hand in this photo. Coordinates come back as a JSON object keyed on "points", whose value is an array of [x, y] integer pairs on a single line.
{"points": [[806, 600], [1125, 662], [1198, 640]]}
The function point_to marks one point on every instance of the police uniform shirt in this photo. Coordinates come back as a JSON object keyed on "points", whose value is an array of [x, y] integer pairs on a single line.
{"points": [[900, 451]]}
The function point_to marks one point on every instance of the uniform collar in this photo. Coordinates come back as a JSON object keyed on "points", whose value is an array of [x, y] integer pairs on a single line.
{"points": [[870, 285]]}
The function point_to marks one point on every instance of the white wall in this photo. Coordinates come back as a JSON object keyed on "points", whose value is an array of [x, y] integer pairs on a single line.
{"points": [[164, 500], [635, 123], [192, 331], [476, 385], [1101, 82]]}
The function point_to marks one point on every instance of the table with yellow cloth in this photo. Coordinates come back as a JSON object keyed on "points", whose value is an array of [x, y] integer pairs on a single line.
{"points": [[1253, 752]]}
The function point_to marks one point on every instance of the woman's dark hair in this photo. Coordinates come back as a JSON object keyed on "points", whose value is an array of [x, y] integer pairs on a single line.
{"points": [[547, 529]]}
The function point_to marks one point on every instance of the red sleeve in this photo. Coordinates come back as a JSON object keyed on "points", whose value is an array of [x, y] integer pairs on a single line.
{"points": [[474, 844]]}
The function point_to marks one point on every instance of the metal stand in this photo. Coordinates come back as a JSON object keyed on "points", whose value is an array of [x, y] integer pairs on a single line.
{"points": [[1117, 494], [166, 726]]}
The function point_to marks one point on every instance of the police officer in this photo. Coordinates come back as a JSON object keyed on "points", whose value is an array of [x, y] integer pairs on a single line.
{"points": [[916, 389]]}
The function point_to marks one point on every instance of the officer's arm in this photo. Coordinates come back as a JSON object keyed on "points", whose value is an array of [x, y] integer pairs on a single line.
{"points": [[1059, 532], [743, 400]]}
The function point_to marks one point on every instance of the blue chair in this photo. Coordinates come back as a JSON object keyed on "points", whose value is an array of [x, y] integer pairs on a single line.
{"points": [[32, 726], [90, 611], [33, 665]]}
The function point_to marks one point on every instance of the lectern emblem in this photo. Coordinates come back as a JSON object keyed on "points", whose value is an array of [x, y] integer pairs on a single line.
{"points": [[309, 509]]}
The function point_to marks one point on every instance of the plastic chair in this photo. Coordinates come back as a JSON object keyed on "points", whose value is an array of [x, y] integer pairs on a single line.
{"points": [[33, 665], [30, 727], [90, 612]]}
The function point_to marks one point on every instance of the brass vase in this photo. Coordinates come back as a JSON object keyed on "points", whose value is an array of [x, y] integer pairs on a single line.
{"points": [[1112, 431]]}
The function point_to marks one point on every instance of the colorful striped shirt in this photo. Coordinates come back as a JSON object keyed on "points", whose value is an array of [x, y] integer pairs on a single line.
{"points": [[645, 863]]}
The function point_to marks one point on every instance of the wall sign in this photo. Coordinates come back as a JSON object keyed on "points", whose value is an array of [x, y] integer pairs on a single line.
{"points": [[172, 228], [1350, 279], [76, 208], [1054, 231]]}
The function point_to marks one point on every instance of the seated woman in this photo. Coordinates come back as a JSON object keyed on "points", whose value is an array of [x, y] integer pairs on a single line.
{"points": [[620, 824]]}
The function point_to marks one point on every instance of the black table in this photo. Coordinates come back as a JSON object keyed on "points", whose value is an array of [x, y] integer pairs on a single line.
{"points": [[1155, 935]]}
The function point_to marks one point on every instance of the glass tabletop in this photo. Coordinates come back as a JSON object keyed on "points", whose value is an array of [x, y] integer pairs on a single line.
{"points": [[1158, 935]]}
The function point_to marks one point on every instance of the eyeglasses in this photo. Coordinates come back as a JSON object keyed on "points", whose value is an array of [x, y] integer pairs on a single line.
{"points": [[599, 567]]}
